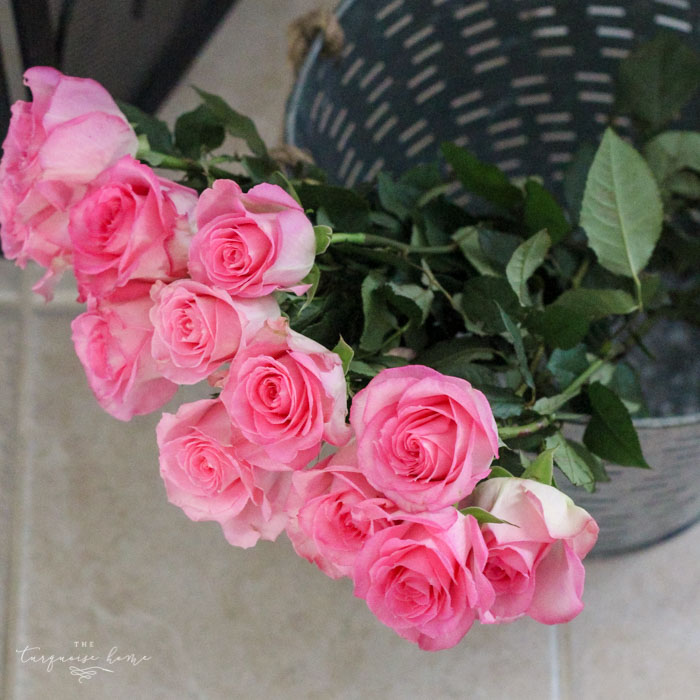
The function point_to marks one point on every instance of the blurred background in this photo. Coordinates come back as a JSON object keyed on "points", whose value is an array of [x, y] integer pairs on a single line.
{"points": [[93, 557], [137, 49]]}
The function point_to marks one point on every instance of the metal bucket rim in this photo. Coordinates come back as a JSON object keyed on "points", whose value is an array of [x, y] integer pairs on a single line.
{"points": [[654, 423]]}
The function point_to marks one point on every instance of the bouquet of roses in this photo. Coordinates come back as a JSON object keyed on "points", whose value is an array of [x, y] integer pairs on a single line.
{"points": [[246, 279]]}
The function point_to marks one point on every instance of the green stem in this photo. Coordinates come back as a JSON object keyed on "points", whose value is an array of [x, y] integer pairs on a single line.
{"points": [[175, 163], [580, 273], [638, 287], [515, 431], [576, 385], [370, 239], [571, 417], [433, 281]]}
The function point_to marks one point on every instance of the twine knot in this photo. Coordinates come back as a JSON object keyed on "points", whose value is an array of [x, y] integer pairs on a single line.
{"points": [[303, 31]]}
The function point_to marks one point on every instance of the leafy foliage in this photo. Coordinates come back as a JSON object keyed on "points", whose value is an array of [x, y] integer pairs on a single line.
{"points": [[520, 303]]}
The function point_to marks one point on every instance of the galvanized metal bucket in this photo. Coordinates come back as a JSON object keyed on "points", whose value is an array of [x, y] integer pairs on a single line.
{"points": [[523, 83]]}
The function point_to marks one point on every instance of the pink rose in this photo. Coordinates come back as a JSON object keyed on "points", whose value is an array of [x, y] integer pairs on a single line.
{"points": [[113, 342], [287, 394], [425, 578], [423, 439], [128, 227], [251, 244], [535, 563], [205, 476], [197, 328], [334, 512], [55, 146]]}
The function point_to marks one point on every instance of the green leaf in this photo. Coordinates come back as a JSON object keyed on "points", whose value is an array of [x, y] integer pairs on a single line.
{"points": [[313, 278], [559, 326], [621, 212], [455, 351], [653, 292], [483, 516], [549, 404], [658, 79], [504, 402], [498, 246], [595, 304], [623, 380], [482, 297], [363, 369], [155, 130], [573, 460], [610, 433], [529, 255], [517, 341], [482, 179], [236, 124], [396, 197], [323, 234], [411, 300], [566, 365], [384, 220], [575, 178], [457, 357], [198, 131], [378, 320], [467, 238], [541, 468], [347, 211], [542, 211], [684, 184], [345, 352], [259, 169], [671, 152], [498, 472]]}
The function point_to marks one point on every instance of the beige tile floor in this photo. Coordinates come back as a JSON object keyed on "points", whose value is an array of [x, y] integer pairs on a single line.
{"points": [[91, 552]]}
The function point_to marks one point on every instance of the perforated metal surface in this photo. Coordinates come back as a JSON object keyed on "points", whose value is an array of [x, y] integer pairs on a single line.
{"points": [[522, 82]]}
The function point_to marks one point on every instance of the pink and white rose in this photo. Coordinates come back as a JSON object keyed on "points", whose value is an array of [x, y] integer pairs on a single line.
{"points": [[251, 244], [534, 564], [424, 577], [287, 394], [55, 146], [334, 511], [113, 342], [206, 477], [423, 438], [198, 328], [130, 225]]}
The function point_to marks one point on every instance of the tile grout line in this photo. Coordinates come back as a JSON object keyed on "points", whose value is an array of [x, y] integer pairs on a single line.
{"points": [[19, 525], [554, 664], [560, 662]]}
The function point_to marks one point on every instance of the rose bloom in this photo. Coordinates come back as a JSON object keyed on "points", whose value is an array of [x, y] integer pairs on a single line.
{"points": [[251, 244], [205, 476], [423, 438], [55, 145], [197, 328], [130, 225], [287, 394], [534, 564], [424, 577], [334, 510], [113, 342]]}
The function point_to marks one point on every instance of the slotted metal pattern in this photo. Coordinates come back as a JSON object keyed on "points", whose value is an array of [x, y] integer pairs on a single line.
{"points": [[523, 83]]}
